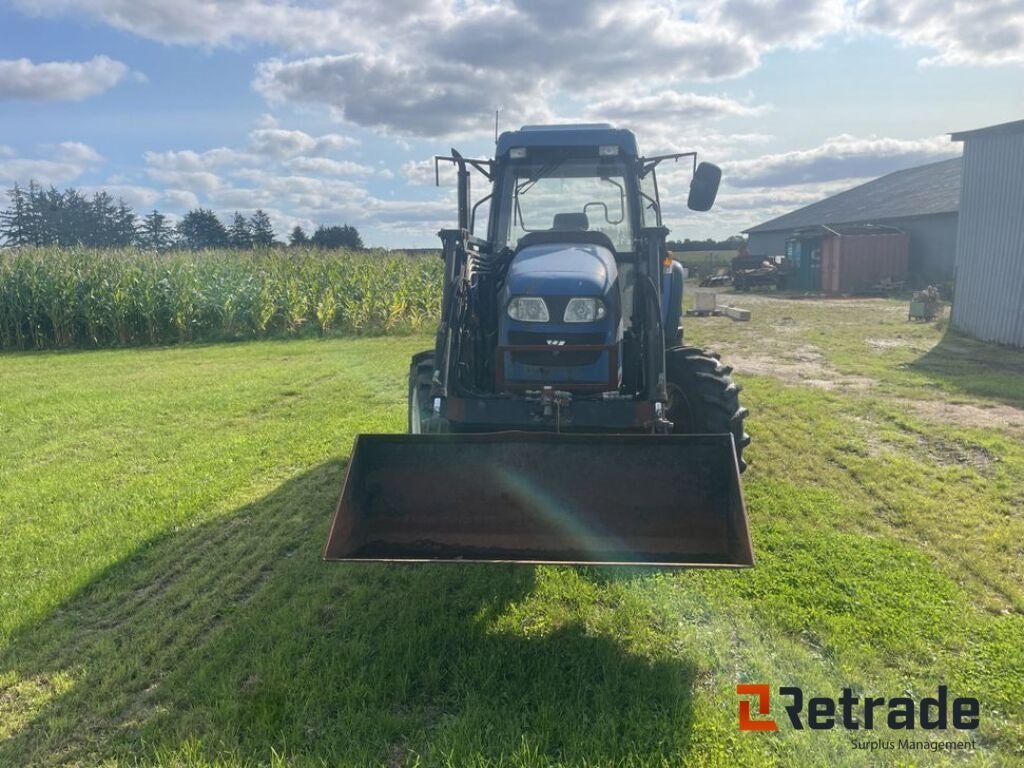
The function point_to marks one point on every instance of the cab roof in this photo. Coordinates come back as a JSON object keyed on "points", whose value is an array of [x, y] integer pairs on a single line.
{"points": [[573, 135]]}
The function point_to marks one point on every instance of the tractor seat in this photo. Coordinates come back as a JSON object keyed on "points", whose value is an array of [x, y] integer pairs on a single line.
{"points": [[570, 222]]}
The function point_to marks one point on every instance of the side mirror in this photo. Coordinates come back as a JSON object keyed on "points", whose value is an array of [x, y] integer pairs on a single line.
{"points": [[704, 187]]}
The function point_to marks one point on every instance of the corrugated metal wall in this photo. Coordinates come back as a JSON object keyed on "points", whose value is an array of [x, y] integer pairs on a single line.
{"points": [[989, 295]]}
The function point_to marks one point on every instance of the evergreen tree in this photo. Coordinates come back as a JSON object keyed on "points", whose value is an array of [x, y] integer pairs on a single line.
{"points": [[298, 237], [37, 207], [16, 222], [240, 234], [54, 222], [352, 238], [55, 217], [262, 231], [155, 234], [337, 237], [103, 215], [201, 229], [125, 229], [80, 225]]}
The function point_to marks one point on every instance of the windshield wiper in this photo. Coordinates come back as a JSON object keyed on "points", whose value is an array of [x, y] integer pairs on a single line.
{"points": [[544, 172]]}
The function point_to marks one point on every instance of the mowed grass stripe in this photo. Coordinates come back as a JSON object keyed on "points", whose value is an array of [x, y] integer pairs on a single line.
{"points": [[133, 447]]}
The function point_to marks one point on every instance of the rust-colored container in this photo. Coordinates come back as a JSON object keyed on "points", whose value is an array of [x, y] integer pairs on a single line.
{"points": [[854, 261]]}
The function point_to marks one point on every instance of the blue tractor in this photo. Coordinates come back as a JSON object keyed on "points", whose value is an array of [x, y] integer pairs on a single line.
{"points": [[559, 417]]}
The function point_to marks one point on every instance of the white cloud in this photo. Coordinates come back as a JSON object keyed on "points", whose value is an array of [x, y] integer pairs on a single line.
{"points": [[77, 152], [781, 23], [783, 198], [189, 161], [246, 199], [421, 172], [197, 22], [407, 98], [447, 75], [989, 32], [203, 181], [841, 157], [65, 162], [43, 172], [281, 143], [441, 67], [182, 199], [670, 105], [22, 79], [428, 68], [328, 167], [305, 190]]}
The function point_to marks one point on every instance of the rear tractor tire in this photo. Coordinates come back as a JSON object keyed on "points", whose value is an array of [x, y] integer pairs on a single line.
{"points": [[421, 415], [702, 398]]}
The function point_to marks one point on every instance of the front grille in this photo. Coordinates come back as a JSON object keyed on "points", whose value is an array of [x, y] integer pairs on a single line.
{"points": [[556, 359], [531, 339]]}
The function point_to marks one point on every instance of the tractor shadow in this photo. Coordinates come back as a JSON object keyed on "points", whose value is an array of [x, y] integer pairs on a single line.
{"points": [[976, 368], [231, 640]]}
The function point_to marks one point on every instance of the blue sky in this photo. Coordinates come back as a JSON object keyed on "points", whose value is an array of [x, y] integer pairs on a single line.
{"points": [[327, 112]]}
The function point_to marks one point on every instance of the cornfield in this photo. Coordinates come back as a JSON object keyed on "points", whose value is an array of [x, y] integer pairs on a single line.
{"points": [[53, 297]]}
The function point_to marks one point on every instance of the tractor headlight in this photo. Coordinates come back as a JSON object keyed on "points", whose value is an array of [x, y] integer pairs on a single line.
{"points": [[584, 310], [528, 309]]}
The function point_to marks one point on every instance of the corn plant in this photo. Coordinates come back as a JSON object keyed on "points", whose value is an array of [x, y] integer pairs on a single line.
{"points": [[52, 297]]}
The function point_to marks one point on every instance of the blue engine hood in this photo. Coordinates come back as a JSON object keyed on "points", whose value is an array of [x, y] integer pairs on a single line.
{"points": [[557, 272], [562, 269]]}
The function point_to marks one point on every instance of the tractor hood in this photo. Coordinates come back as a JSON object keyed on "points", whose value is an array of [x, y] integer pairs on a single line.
{"points": [[562, 269]]}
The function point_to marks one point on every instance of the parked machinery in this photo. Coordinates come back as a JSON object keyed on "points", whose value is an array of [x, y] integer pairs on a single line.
{"points": [[559, 417]]}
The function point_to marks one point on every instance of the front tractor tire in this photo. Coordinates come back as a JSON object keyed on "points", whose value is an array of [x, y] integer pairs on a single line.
{"points": [[421, 417], [702, 398]]}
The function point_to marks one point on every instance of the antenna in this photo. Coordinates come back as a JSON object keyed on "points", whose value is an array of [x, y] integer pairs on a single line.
{"points": [[496, 127]]}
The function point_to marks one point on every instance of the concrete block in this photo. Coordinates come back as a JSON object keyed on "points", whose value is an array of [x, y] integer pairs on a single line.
{"points": [[736, 313]]}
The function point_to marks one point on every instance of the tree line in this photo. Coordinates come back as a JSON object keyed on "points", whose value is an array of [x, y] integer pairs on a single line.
{"points": [[42, 217], [731, 243]]}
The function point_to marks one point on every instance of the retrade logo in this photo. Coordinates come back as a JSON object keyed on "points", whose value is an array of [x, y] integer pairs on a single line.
{"points": [[747, 723], [851, 712]]}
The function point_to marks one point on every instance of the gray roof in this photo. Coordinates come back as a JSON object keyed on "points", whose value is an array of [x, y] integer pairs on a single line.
{"points": [[920, 191], [1017, 126]]}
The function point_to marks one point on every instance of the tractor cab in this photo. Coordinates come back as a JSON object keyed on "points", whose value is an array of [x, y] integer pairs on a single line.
{"points": [[567, 259]]}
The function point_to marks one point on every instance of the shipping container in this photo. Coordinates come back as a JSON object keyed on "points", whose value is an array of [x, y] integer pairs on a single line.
{"points": [[855, 259], [803, 251]]}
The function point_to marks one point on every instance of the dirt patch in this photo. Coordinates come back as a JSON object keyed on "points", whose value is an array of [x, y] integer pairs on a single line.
{"points": [[886, 343], [834, 302], [950, 454], [787, 325], [999, 417], [803, 365]]}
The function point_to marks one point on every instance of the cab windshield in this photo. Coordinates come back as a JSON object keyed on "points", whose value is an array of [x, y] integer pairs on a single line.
{"points": [[567, 195]]}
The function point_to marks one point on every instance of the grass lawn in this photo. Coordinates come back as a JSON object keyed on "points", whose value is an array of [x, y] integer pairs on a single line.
{"points": [[162, 601]]}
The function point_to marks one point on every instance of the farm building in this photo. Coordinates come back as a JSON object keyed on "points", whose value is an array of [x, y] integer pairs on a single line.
{"points": [[988, 301], [921, 202]]}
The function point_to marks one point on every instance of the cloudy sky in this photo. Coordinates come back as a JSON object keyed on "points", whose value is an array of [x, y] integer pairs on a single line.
{"points": [[328, 111]]}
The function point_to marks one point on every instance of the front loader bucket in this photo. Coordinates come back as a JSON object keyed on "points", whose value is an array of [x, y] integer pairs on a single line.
{"points": [[666, 500]]}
